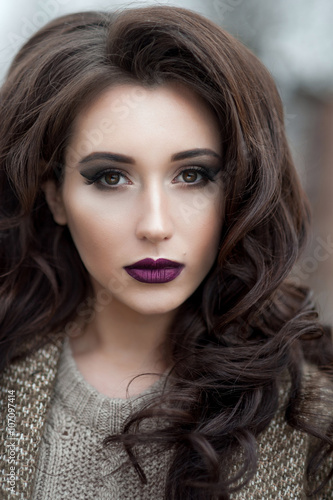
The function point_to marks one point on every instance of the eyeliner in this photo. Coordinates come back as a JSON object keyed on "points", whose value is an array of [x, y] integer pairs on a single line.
{"points": [[93, 173]]}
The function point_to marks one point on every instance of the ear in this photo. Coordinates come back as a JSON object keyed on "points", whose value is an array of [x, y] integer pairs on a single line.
{"points": [[55, 202]]}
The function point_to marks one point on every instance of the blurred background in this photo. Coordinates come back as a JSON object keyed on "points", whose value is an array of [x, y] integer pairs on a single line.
{"points": [[295, 41]]}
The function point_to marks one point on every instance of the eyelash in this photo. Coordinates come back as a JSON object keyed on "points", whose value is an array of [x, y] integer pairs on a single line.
{"points": [[207, 176]]}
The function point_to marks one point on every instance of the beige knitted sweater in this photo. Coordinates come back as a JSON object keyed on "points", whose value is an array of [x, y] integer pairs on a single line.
{"points": [[69, 464], [53, 423]]}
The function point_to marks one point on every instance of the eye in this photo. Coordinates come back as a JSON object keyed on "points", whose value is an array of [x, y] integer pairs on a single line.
{"points": [[106, 178], [191, 176], [112, 179]]}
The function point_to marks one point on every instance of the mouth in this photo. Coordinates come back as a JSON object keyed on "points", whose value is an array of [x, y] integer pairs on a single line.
{"points": [[154, 271]]}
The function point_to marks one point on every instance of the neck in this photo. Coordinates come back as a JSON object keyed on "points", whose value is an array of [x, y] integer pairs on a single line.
{"points": [[123, 335]]}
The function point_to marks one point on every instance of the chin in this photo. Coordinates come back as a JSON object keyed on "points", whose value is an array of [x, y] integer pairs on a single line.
{"points": [[153, 311], [149, 308]]}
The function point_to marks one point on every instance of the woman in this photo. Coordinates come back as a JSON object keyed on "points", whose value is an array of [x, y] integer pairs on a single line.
{"points": [[150, 215]]}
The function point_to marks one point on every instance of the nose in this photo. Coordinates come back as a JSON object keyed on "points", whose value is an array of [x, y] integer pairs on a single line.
{"points": [[154, 219]]}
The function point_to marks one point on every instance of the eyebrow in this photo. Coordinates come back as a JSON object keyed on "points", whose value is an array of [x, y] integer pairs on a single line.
{"points": [[183, 155]]}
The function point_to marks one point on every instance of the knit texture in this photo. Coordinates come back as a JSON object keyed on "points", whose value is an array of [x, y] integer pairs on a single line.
{"points": [[70, 466], [30, 382], [281, 449], [72, 462]]}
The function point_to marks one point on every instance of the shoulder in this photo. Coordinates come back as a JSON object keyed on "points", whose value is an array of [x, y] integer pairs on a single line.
{"points": [[31, 375], [25, 392], [283, 454], [318, 411]]}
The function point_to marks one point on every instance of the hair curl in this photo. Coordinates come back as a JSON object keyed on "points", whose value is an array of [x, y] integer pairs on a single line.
{"points": [[245, 325]]}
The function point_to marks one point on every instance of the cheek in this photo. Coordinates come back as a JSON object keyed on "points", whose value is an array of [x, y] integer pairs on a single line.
{"points": [[210, 236], [95, 230], [201, 221]]}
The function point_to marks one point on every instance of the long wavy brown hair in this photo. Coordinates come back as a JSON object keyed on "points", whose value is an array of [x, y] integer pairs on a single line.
{"points": [[245, 325]]}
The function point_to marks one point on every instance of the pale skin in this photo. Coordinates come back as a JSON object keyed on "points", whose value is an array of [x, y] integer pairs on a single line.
{"points": [[148, 205]]}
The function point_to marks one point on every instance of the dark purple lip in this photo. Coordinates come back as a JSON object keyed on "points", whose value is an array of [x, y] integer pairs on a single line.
{"points": [[153, 264], [154, 271]]}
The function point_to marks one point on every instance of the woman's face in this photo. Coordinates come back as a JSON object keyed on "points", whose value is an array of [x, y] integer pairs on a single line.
{"points": [[142, 181]]}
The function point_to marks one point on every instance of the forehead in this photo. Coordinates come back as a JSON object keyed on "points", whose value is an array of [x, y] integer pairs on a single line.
{"points": [[131, 114], [123, 103]]}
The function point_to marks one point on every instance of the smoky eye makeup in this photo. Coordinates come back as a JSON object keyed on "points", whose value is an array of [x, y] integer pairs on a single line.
{"points": [[186, 177], [94, 165], [97, 169], [105, 178], [94, 172], [195, 175]]}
